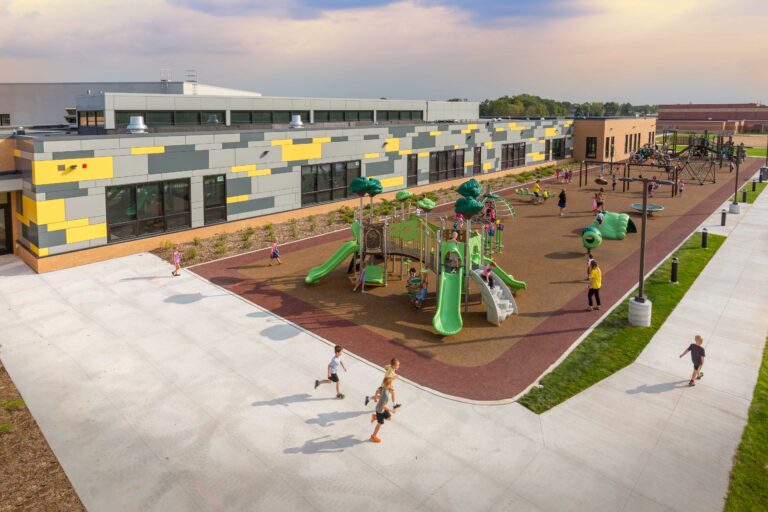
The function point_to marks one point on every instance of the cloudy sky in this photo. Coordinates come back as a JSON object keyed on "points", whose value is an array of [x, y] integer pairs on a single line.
{"points": [[642, 51]]}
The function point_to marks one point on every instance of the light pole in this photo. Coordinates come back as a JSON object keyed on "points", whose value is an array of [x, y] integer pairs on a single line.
{"points": [[640, 306], [734, 206]]}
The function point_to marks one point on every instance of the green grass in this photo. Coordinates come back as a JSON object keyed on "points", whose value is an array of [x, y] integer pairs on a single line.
{"points": [[751, 196], [12, 405], [756, 152], [614, 343], [749, 477], [5, 427]]}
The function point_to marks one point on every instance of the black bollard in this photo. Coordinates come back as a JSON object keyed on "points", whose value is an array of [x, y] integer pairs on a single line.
{"points": [[743, 196], [722, 217], [704, 238], [754, 185], [673, 277]]}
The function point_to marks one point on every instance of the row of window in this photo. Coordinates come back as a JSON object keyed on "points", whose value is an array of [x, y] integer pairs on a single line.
{"points": [[609, 147], [189, 117], [91, 119], [446, 165], [266, 116], [322, 183], [146, 209], [631, 142], [170, 118], [513, 155]]}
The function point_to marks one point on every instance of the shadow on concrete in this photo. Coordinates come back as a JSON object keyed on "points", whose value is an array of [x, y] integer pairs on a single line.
{"points": [[280, 332], [325, 444], [189, 298], [146, 278], [564, 255], [291, 399], [259, 314], [658, 388], [326, 419]]}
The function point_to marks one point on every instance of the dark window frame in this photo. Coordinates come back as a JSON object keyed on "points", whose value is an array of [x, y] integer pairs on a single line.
{"points": [[412, 170], [214, 212], [558, 148], [513, 155], [446, 165], [591, 147], [336, 182], [477, 161], [5, 119]]}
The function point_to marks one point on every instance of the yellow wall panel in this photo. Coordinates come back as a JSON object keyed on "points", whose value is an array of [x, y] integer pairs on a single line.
{"points": [[515, 126], [237, 199], [47, 172], [371, 155], [537, 156], [435, 133], [468, 164], [16, 152], [500, 129], [148, 150], [487, 166], [393, 144], [468, 130], [392, 182], [38, 251], [58, 226], [406, 152], [43, 212], [282, 142], [244, 168], [471, 127], [489, 144], [259, 172], [423, 154], [92, 232], [321, 139], [302, 152], [550, 132]]}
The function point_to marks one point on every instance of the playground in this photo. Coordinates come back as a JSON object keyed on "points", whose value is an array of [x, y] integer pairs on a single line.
{"points": [[473, 358]]}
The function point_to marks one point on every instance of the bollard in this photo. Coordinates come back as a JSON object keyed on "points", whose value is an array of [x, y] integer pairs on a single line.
{"points": [[704, 238], [744, 196], [722, 217], [673, 277], [754, 185]]}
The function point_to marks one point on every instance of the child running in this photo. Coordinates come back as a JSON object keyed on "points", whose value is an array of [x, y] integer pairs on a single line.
{"points": [[390, 372], [333, 371], [274, 253], [383, 410], [697, 358], [176, 257]]}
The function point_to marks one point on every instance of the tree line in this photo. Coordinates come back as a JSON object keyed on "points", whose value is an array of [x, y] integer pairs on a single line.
{"points": [[528, 105]]}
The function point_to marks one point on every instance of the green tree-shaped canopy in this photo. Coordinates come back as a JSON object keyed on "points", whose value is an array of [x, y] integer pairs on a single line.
{"points": [[470, 188], [403, 195], [426, 204], [359, 186], [467, 206], [374, 187]]}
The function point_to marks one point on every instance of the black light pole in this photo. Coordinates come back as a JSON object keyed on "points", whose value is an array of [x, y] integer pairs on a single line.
{"points": [[736, 184]]}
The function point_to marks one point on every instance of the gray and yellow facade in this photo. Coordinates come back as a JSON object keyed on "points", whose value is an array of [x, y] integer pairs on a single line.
{"points": [[86, 198]]}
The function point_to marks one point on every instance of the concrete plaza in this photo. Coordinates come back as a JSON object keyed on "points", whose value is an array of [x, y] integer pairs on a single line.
{"points": [[162, 393]]}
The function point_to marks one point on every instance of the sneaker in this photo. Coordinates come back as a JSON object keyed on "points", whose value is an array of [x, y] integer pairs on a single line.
{"points": [[367, 399], [589, 308], [317, 383], [375, 439], [701, 374], [691, 383], [597, 308], [373, 418], [396, 406], [341, 396]]}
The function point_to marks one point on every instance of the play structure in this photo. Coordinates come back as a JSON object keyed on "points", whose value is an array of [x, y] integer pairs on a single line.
{"points": [[652, 208], [455, 254], [615, 226]]}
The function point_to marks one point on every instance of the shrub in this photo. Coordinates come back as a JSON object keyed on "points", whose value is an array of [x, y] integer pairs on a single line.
{"points": [[220, 246], [311, 223], [294, 226], [196, 241], [269, 228], [191, 254], [247, 243], [165, 245], [346, 214], [248, 233], [330, 219]]}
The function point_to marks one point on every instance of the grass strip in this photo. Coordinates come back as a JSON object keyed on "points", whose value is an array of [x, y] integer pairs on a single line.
{"points": [[748, 489], [751, 196], [758, 152], [614, 343]]}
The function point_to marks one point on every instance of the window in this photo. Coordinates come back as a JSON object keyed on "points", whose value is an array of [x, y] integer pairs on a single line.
{"points": [[337, 116], [637, 141], [147, 208], [548, 149], [558, 149], [240, 117], [650, 138], [513, 155], [262, 117], [122, 118], [613, 147], [186, 117], [626, 143], [91, 119], [366, 115], [281, 117], [416, 115], [159, 118], [214, 199], [446, 165], [412, 170], [5, 119], [591, 147], [221, 116], [607, 147], [351, 115], [477, 161], [322, 116], [322, 183]]}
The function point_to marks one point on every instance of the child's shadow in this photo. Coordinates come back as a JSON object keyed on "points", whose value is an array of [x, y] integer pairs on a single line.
{"points": [[327, 446], [326, 419], [658, 388], [291, 399]]}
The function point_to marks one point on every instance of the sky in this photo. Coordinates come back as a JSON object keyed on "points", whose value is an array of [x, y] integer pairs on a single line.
{"points": [[640, 51]]}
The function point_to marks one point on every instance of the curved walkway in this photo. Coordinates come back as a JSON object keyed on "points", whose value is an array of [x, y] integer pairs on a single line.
{"points": [[161, 393]]}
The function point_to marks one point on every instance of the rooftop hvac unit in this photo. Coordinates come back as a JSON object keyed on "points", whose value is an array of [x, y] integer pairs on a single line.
{"points": [[212, 119], [137, 125], [296, 121]]}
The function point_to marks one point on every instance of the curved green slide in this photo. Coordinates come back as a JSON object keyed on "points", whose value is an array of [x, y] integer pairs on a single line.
{"points": [[508, 280], [336, 259], [447, 320]]}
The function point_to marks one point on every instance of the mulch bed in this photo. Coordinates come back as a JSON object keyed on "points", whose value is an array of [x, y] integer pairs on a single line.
{"points": [[30, 475], [483, 362]]}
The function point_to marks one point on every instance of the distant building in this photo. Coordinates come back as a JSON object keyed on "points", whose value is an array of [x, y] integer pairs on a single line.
{"points": [[731, 117], [607, 139]]}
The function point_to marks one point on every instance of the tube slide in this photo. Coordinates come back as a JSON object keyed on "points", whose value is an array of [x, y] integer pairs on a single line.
{"points": [[447, 320], [336, 259]]}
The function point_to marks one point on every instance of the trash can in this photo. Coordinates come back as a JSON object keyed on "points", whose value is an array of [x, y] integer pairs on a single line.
{"points": [[764, 174]]}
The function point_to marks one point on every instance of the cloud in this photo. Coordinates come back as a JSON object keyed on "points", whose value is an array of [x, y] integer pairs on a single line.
{"points": [[297, 9]]}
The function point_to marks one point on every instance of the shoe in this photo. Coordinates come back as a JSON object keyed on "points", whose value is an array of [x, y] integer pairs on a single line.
{"points": [[691, 383], [367, 399], [341, 396], [373, 417], [317, 383], [589, 308], [396, 406], [698, 377], [597, 308], [375, 439]]}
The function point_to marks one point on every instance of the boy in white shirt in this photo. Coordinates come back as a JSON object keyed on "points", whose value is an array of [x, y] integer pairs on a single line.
{"points": [[333, 371]]}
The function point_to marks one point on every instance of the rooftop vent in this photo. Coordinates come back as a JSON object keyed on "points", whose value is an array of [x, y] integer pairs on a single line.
{"points": [[296, 121], [137, 125], [213, 119]]}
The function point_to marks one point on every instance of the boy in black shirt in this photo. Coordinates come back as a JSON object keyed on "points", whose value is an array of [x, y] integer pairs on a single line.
{"points": [[697, 357]]}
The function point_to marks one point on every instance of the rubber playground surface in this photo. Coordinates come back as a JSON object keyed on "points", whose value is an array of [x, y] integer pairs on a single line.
{"points": [[482, 362]]}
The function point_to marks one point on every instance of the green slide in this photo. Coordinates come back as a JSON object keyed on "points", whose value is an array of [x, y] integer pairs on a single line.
{"points": [[447, 320], [344, 252], [510, 281]]}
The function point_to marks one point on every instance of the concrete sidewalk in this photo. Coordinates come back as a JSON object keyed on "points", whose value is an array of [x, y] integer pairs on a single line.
{"points": [[161, 393]]}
